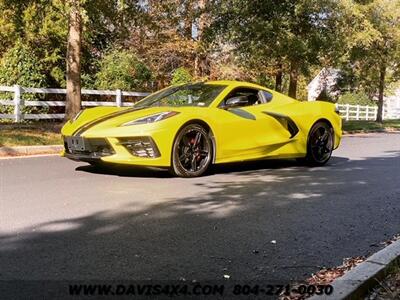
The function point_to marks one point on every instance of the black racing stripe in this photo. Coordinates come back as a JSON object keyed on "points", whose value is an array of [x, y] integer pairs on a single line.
{"points": [[242, 113], [95, 122]]}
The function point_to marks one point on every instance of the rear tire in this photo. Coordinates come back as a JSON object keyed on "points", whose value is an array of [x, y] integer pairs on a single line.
{"points": [[191, 152], [319, 144]]}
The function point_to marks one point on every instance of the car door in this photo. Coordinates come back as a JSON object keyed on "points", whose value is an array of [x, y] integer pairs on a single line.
{"points": [[246, 131], [273, 130]]}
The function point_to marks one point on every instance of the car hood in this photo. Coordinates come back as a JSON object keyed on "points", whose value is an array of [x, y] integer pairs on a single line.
{"points": [[104, 118]]}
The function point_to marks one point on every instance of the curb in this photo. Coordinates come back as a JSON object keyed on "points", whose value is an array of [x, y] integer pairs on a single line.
{"points": [[30, 150], [356, 283], [361, 131]]}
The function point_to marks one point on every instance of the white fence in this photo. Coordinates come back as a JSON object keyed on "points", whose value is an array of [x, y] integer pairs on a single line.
{"points": [[361, 112], [18, 102], [349, 112], [357, 112]]}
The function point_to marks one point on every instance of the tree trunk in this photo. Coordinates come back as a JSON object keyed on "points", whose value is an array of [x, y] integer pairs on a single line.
{"points": [[188, 19], [278, 78], [382, 75], [294, 74], [199, 60], [73, 101]]}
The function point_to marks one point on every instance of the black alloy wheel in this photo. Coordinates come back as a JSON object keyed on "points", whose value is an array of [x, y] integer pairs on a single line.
{"points": [[320, 144], [192, 151]]}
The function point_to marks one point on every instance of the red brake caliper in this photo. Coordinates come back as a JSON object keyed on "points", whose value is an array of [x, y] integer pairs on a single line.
{"points": [[197, 153]]}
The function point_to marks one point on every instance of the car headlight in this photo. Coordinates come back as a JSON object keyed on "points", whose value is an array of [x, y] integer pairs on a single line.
{"points": [[152, 118]]}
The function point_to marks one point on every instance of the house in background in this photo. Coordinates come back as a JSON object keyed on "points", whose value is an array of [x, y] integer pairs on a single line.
{"points": [[324, 86], [392, 105]]}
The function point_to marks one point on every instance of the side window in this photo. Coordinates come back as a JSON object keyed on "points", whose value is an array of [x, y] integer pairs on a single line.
{"points": [[245, 97], [266, 96]]}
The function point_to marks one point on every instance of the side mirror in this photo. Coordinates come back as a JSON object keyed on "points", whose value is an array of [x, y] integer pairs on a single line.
{"points": [[236, 101]]}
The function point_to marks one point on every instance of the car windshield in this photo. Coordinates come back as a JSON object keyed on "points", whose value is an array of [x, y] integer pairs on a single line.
{"points": [[197, 94]]}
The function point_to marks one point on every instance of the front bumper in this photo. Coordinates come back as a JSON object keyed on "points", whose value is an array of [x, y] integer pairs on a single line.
{"points": [[141, 150], [81, 157], [80, 148]]}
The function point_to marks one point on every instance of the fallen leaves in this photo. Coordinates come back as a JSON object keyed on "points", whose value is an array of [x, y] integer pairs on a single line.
{"points": [[326, 276], [392, 240]]}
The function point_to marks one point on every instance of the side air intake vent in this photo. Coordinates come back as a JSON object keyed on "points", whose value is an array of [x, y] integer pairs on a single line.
{"points": [[286, 122]]}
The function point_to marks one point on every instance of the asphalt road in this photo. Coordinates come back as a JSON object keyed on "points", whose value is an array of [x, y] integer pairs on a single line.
{"points": [[64, 220]]}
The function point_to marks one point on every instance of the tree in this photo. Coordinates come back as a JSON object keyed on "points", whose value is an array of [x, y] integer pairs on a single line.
{"points": [[121, 69], [19, 66], [358, 98], [288, 35], [42, 27], [374, 44], [105, 22], [181, 75], [73, 101], [200, 61], [164, 38]]}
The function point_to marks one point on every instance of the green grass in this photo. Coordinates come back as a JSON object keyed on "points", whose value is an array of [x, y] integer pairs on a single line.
{"points": [[365, 126], [389, 288], [30, 134]]}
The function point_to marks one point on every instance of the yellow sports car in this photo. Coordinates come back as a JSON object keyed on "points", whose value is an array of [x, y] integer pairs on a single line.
{"points": [[187, 128]]}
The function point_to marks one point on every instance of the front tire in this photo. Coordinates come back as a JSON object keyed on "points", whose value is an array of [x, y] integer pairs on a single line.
{"points": [[319, 144], [191, 152]]}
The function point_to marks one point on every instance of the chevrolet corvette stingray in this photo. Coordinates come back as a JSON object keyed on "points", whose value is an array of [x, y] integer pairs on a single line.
{"points": [[188, 127]]}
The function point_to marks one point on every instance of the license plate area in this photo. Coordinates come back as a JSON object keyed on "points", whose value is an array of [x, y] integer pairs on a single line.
{"points": [[76, 143]]}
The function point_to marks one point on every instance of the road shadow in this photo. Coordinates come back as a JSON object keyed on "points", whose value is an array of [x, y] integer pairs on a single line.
{"points": [[248, 166], [125, 171], [272, 164], [267, 222]]}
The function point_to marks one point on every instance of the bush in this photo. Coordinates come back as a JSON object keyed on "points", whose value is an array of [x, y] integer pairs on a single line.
{"points": [[121, 69], [358, 98], [20, 66], [180, 76]]}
